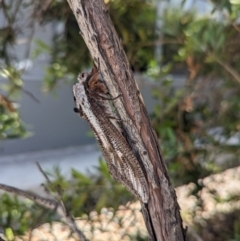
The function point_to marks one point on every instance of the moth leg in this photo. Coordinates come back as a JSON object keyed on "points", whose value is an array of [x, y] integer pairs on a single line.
{"points": [[113, 118], [114, 98], [103, 96]]}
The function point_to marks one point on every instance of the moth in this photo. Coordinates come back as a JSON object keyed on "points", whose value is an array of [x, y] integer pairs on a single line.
{"points": [[93, 104]]}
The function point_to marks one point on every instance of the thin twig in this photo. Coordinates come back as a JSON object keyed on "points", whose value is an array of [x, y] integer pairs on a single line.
{"points": [[31, 95], [68, 218], [43, 173], [5, 7], [236, 27], [228, 68], [47, 203], [31, 25]]}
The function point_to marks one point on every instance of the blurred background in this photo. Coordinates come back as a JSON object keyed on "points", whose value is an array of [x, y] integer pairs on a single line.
{"points": [[186, 59]]}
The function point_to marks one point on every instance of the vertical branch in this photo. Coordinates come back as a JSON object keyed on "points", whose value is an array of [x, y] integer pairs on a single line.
{"points": [[161, 212]]}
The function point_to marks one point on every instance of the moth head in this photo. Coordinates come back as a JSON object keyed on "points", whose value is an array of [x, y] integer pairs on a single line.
{"points": [[82, 77]]}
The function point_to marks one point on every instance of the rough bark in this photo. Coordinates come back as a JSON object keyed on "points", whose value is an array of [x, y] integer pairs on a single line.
{"points": [[161, 213]]}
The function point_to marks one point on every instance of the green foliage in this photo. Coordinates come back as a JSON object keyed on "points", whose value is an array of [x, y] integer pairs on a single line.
{"points": [[11, 85], [137, 38], [82, 195], [11, 125], [135, 22], [195, 121], [18, 216], [96, 190], [68, 51]]}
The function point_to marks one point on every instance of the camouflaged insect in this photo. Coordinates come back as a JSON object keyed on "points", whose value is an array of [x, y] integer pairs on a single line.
{"points": [[93, 105]]}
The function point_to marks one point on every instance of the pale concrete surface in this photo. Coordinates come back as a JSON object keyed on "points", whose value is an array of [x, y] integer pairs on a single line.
{"points": [[21, 171]]}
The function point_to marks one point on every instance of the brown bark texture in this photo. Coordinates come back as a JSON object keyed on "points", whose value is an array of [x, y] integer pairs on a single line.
{"points": [[161, 213]]}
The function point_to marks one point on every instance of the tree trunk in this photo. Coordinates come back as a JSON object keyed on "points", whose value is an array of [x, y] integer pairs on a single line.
{"points": [[161, 212]]}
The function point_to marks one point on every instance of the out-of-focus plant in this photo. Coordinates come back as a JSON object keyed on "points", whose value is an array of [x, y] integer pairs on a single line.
{"points": [[83, 195], [11, 82], [95, 191], [18, 216], [69, 52], [11, 125], [196, 118], [198, 87]]}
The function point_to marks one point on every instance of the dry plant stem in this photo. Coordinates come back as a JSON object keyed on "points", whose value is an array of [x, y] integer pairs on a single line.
{"points": [[45, 202], [228, 68], [51, 204], [63, 211], [161, 213]]}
